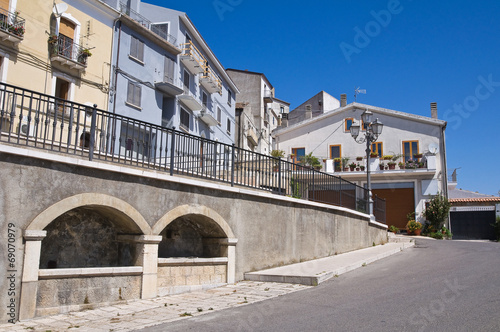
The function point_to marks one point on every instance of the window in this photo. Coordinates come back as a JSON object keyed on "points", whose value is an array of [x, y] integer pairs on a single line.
{"points": [[348, 123], [186, 79], [66, 35], [62, 92], [409, 149], [229, 97], [184, 119], [137, 49], [282, 109], [297, 154], [336, 152], [134, 94], [168, 70], [377, 148], [219, 115], [204, 98], [229, 126]]}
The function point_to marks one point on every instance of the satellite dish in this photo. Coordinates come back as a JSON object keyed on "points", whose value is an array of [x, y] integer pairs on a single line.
{"points": [[433, 148], [60, 9]]}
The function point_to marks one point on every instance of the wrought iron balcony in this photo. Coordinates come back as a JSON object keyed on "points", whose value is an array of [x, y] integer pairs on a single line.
{"points": [[192, 58], [156, 28], [12, 26], [190, 100], [211, 81], [65, 51]]}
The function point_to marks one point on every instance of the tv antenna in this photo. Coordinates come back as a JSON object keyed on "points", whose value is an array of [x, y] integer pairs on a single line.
{"points": [[357, 91]]}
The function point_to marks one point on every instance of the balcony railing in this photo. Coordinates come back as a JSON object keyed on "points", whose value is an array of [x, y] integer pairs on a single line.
{"points": [[11, 24], [156, 28], [192, 58], [211, 81], [64, 50], [29, 119]]}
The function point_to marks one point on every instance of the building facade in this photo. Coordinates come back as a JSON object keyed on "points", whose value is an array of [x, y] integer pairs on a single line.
{"points": [[416, 143], [258, 111], [166, 74]]}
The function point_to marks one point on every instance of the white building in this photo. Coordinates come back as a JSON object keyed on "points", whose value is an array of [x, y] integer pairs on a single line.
{"points": [[327, 136]]}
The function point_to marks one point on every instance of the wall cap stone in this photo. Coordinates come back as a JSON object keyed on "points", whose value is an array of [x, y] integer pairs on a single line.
{"points": [[191, 261], [89, 272], [34, 235]]}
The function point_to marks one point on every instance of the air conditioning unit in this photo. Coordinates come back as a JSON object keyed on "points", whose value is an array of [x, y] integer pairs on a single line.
{"points": [[25, 128]]}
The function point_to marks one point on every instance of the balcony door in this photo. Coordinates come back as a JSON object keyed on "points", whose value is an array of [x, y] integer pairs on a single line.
{"points": [[66, 35], [62, 92]]}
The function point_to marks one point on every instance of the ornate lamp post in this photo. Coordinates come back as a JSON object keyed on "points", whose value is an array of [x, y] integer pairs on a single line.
{"points": [[372, 132]]}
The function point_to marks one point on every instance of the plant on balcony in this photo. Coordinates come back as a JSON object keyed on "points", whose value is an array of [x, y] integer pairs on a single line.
{"points": [[352, 166], [387, 157], [311, 161], [411, 164], [85, 52], [277, 154], [345, 164], [418, 155], [52, 39], [16, 30], [401, 165], [359, 158], [362, 167], [382, 166], [391, 164], [373, 155]]}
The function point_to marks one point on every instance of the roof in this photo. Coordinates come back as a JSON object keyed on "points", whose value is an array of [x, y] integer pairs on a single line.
{"points": [[466, 196], [375, 109]]}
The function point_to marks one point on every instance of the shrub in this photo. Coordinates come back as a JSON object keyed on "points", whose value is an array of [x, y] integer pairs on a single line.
{"points": [[496, 225], [413, 225], [437, 211], [393, 229]]}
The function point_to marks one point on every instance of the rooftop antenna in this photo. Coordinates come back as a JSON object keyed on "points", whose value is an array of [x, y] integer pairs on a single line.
{"points": [[357, 91]]}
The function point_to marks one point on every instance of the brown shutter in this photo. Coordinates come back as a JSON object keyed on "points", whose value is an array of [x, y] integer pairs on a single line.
{"points": [[66, 28], [4, 4]]}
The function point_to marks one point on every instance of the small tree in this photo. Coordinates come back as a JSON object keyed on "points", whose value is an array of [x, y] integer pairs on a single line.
{"points": [[310, 160], [436, 211]]}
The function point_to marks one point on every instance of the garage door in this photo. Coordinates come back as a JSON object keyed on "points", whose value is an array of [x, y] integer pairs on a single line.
{"points": [[399, 202], [472, 224]]}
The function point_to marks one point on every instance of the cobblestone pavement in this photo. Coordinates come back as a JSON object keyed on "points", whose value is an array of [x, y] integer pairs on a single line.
{"points": [[138, 314]]}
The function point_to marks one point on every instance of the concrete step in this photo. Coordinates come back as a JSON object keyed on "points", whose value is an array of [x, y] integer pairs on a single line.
{"points": [[314, 272]]}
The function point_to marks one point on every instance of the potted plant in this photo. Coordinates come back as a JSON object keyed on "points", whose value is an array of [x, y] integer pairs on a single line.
{"points": [[393, 229], [311, 161], [382, 166], [362, 167], [352, 166], [414, 227], [387, 157], [391, 164], [401, 165], [358, 167], [373, 155], [418, 155], [359, 158], [411, 164], [345, 166]]}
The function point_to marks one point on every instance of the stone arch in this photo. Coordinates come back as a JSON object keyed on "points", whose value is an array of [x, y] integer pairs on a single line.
{"points": [[106, 204], [192, 209]]}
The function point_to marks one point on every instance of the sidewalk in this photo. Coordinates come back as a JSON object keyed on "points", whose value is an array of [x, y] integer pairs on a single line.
{"points": [[139, 314]]}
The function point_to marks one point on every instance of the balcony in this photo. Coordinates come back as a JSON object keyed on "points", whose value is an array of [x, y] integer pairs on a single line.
{"points": [[188, 99], [192, 59], [70, 54], [160, 30], [12, 26], [207, 117], [268, 96], [210, 81], [169, 87], [252, 137]]}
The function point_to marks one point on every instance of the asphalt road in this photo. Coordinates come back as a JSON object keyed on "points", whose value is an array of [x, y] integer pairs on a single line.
{"points": [[435, 286]]}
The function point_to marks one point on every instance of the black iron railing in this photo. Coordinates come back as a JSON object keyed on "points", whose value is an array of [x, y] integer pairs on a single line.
{"points": [[41, 121], [62, 46], [12, 23]]}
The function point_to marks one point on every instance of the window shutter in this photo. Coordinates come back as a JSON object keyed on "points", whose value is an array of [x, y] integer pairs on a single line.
{"points": [[67, 28]]}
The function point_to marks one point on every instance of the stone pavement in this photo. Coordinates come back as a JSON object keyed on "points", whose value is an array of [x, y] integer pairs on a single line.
{"points": [[137, 314]]}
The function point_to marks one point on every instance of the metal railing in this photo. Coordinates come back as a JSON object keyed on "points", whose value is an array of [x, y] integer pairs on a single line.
{"points": [[66, 48], [41, 121], [156, 28], [12, 23]]}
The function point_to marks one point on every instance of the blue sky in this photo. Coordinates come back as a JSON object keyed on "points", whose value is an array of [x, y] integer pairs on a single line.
{"points": [[405, 53]]}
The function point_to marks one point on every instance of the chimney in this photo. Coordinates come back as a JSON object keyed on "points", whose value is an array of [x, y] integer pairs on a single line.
{"points": [[309, 113], [343, 100], [434, 110]]}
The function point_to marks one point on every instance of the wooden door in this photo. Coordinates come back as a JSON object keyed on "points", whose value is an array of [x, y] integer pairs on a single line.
{"points": [[399, 202]]}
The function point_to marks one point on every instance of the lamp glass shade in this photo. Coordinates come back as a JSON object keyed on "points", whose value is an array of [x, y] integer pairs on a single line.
{"points": [[367, 117], [377, 127], [354, 130]]}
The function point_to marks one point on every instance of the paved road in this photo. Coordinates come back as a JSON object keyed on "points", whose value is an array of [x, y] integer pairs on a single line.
{"points": [[435, 286]]}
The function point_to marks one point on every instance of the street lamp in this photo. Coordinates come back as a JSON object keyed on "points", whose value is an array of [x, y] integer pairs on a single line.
{"points": [[373, 131]]}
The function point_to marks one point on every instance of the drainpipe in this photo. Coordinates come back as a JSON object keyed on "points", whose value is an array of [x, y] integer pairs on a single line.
{"points": [[115, 83], [445, 171]]}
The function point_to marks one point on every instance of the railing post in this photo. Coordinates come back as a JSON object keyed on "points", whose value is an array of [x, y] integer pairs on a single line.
{"points": [[232, 165], [279, 176], [92, 132], [172, 153], [214, 168]]}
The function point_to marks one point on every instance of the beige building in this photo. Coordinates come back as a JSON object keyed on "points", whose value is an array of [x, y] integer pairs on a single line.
{"points": [[61, 49]]}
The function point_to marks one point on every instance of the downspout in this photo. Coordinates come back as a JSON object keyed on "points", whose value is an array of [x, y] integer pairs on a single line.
{"points": [[117, 61], [240, 129]]}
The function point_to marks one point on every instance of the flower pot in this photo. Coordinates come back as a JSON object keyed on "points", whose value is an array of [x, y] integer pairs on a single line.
{"points": [[382, 167], [346, 169], [417, 231], [392, 166], [352, 169], [357, 169]]}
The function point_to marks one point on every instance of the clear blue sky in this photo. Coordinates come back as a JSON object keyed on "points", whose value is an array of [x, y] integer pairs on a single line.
{"points": [[407, 55]]}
